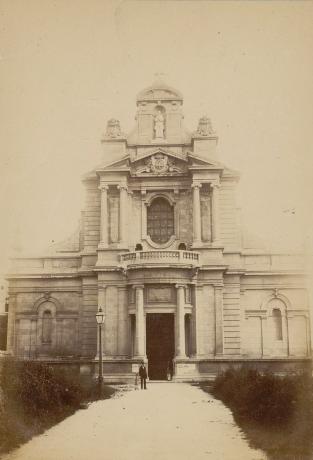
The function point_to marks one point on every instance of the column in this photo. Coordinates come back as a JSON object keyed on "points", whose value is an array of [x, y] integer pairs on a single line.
{"points": [[104, 216], [197, 321], [143, 214], [180, 322], [218, 320], [215, 213], [196, 213], [123, 212], [102, 304], [140, 323], [122, 325]]}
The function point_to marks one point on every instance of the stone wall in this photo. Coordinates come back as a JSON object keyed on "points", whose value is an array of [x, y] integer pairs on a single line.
{"points": [[88, 325], [30, 300], [231, 315], [91, 216], [229, 231], [184, 211], [265, 334]]}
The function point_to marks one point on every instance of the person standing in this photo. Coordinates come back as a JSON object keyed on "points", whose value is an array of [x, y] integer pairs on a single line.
{"points": [[143, 375], [169, 371]]}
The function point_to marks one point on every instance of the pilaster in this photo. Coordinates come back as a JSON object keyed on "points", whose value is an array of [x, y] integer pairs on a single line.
{"points": [[215, 214], [123, 213], [122, 333], [180, 322], [140, 323], [102, 305], [196, 214], [218, 291], [104, 217]]}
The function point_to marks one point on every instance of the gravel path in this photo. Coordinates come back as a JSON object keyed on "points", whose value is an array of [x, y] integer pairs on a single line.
{"points": [[168, 421]]}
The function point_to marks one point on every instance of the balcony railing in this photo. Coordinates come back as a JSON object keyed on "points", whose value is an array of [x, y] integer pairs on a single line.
{"points": [[160, 256]]}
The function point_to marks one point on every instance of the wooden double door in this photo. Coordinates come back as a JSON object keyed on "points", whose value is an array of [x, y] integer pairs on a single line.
{"points": [[160, 344]]}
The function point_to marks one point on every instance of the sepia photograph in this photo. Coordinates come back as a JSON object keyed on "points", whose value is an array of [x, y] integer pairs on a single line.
{"points": [[156, 240]]}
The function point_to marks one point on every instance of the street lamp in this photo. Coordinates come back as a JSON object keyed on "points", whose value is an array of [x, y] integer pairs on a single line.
{"points": [[100, 321]]}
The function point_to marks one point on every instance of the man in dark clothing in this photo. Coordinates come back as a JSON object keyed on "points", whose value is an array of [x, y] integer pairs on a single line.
{"points": [[143, 375]]}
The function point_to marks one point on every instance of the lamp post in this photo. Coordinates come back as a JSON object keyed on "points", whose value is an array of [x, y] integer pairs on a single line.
{"points": [[100, 321]]}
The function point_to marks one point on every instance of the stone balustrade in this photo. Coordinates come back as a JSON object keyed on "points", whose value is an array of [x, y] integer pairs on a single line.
{"points": [[161, 256]]}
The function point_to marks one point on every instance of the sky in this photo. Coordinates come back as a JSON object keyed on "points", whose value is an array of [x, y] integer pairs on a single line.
{"points": [[69, 66]]}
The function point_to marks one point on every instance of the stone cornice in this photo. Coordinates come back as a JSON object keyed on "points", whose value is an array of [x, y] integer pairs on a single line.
{"points": [[46, 276], [164, 151], [273, 273]]}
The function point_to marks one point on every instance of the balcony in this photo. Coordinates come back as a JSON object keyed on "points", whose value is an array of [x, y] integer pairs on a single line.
{"points": [[160, 258]]}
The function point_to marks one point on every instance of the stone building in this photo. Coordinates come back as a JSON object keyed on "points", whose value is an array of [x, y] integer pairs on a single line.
{"points": [[161, 251]]}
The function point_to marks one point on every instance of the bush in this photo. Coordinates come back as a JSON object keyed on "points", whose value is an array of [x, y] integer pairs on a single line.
{"points": [[39, 389], [34, 396], [265, 398]]}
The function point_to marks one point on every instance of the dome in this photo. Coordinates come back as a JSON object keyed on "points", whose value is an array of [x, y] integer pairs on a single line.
{"points": [[159, 91]]}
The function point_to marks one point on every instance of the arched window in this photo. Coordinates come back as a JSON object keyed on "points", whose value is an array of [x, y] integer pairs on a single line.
{"points": [[47, 327], [160, 220], [277, 323], [138, 247], [182, 247]]}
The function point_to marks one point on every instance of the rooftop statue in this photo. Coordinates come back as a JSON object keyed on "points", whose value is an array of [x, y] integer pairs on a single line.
{"points": [[205, 127], [113, 129]]}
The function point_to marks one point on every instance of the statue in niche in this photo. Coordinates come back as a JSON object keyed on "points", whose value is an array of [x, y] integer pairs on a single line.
{"points": [[159, 125], [204, 127]]}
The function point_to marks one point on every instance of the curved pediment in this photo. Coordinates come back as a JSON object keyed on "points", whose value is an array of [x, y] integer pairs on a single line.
{"points": [[159, 92]]}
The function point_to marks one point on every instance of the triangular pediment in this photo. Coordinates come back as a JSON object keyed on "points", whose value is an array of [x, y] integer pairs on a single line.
{"points": [[117, 165], [114, 166], [159, 162], [196, 161], [159, 150]]}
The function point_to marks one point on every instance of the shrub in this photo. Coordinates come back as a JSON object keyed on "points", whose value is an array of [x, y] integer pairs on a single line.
{"points": [[38, 389], [265, 398], [34, 396]]}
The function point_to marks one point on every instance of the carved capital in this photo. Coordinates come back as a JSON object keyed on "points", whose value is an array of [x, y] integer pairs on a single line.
{"points": [[122, 187], [214, 185], [196, 185], [138, 286], [103, 187], [178, 285]]}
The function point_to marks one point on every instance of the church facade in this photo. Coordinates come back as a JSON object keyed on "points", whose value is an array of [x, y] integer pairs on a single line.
{"points": [[161, 252]]}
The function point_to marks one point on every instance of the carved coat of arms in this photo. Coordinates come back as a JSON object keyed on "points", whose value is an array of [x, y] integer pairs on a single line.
{"points": [[159, 164]]}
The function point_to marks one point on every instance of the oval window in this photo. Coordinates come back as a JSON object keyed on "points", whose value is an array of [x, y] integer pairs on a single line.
{"points": [[160, 221]]}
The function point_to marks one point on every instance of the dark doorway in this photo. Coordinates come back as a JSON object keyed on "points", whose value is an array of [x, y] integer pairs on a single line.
{"points": [[160, 344]]}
